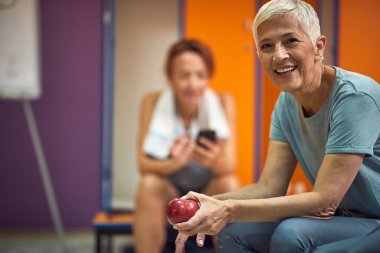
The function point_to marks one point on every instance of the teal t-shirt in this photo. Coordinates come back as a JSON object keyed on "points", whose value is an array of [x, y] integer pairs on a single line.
{"points": [[349, 122]]}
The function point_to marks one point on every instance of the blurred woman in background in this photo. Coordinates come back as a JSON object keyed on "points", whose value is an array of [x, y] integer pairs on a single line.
{"points": [[170, 161]]}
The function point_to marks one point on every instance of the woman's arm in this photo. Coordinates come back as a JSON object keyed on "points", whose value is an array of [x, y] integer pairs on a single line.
{"points": [[217, 211], [333, 180], [335, 176], [151, 165], [274, 180], [279, 166]]}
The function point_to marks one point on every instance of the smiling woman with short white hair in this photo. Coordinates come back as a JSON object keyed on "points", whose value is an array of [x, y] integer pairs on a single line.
{"points": [[326, 119]]}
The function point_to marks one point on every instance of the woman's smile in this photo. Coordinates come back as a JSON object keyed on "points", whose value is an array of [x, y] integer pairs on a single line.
{"points": [[284, 72]]}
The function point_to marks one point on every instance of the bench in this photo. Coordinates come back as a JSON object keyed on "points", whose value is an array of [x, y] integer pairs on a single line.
{"points": [[108, 224]]}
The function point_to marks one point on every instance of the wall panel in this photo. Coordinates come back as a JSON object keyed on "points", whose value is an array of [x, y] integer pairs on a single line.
{"points": [[226, 27], [359, 37], [144, 30]]}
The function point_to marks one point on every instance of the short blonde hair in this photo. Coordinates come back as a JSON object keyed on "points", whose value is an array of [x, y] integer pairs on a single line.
{"points": [[296, 9]]}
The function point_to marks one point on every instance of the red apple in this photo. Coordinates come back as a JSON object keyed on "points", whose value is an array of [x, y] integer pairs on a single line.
{"points": [[181, 210]]}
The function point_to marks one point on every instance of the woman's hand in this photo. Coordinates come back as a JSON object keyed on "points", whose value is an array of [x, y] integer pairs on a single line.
{"points": [[208, 154], [182, 150], [210, 219]]}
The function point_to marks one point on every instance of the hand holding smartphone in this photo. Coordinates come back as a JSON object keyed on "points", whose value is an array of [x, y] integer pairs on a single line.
{"points": [[206, 133]]}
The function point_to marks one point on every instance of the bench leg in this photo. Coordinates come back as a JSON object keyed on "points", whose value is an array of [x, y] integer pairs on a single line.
{"points": [[109, 244], [98, 242]]}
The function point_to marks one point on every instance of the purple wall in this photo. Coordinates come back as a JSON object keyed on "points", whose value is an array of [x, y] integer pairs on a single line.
{"points": [[68, 117]]}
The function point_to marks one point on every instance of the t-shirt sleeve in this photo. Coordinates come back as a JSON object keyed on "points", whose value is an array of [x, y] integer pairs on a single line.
{"points": [[276, 131], [355, 125]]}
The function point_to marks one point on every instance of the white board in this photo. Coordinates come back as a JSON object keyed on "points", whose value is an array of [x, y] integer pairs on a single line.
{"points": [[19, 50]]}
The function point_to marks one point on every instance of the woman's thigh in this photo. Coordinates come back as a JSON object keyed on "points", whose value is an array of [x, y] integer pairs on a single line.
{"points": [[366, 243], [290, 235], [304, 234]]}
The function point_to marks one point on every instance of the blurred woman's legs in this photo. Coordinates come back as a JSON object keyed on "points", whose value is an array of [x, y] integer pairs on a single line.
{"points": [[153, 194], [222, 184]]}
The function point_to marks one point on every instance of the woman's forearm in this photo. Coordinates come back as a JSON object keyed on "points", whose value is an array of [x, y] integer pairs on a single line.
{"points": [[310, 204], [253, 191]]}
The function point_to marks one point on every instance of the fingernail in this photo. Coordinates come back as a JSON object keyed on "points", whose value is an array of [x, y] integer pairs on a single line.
{"points": [[175, 227], [200, 241]]}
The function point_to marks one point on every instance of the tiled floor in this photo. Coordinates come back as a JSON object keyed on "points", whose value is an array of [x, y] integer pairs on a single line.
{"points": [[47, 242]]}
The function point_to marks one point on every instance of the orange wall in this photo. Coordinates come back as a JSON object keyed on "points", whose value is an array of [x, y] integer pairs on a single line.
{"points": [[225, 26], [359, 37]]}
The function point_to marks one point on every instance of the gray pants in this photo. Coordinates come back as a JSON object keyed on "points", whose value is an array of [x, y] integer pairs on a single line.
{"points": [[295, 235]]}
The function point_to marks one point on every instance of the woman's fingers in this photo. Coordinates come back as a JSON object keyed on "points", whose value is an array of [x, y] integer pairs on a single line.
{"points": [[191, 224], [182, 150], [206, 156], [201, 239], [209, 219], [180, 242], [189, 147], [196, 220], [210, 144], [194, 195]]}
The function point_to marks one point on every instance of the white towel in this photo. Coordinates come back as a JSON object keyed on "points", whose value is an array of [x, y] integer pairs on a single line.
{"points": [[166, 125]]}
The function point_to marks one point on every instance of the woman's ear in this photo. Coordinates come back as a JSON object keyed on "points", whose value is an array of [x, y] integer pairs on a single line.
{"points": [[320, 46]]}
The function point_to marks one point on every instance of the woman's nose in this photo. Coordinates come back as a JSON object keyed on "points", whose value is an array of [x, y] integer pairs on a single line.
{"points": [[280, 53], [193, 81]]}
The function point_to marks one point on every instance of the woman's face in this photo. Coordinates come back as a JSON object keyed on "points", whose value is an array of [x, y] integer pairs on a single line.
{"points": [[189, 78], [287, 54]]}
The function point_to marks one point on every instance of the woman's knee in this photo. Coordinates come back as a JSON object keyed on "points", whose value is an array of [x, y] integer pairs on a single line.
{"points": [[223, 184], [291, 235], [152, 182], [152, 185], [231, 182], [246, 237]]}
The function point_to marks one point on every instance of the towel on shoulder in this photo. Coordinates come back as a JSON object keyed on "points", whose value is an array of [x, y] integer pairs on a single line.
{"points": [[166, 125]]}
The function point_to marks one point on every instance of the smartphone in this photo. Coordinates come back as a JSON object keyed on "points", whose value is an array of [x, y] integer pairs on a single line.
{"points": [[206, 133]]}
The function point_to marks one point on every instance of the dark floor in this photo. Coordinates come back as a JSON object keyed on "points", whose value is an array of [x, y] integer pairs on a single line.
{"points": [[47, 242], [79, 242]]}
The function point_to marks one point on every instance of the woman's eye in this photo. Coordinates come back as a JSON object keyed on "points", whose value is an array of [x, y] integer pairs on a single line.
{"points": [[183, 76], [265, 46], [291, 41]]}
